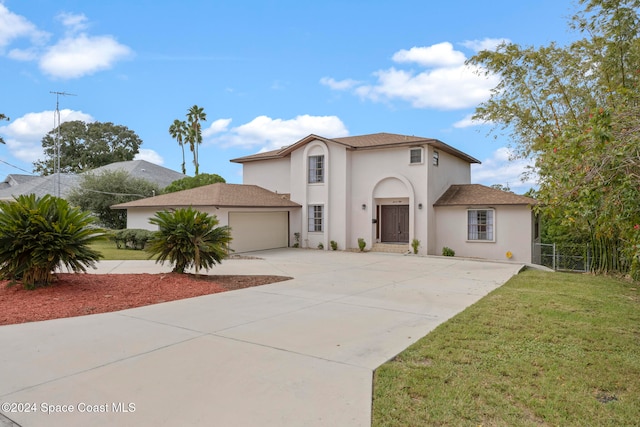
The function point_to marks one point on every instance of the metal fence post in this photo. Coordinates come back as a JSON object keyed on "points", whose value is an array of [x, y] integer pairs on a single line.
{"points": [[554, 257]]}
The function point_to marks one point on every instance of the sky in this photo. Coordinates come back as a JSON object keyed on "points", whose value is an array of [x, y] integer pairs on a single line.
{"points": [[267, 73]]}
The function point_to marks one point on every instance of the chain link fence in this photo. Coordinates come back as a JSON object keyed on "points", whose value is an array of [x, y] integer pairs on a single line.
{"points": [[562, 257]]}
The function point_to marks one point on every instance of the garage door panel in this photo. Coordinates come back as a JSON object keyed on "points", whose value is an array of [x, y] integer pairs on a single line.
{"points": [[254, 231]]}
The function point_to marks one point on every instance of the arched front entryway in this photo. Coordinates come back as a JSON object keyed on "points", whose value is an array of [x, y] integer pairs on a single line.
{"points": [[393, 200]]}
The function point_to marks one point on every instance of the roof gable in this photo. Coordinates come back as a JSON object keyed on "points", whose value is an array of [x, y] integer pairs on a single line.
{"points": [[480, 195]]}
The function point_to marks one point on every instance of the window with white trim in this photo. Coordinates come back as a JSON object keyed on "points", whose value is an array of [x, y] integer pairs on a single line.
{"points": [[480, 224], [436, 158], [316, 169], [415, 156], [316, 218]]}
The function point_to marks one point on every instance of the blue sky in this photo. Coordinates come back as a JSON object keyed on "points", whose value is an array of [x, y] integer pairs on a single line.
{"points": [[267, 73]]}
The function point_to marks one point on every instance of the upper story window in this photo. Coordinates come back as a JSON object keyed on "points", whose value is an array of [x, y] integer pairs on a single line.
{"points": [[436, 158], [415, 156], [316, 169], [480, 224]]}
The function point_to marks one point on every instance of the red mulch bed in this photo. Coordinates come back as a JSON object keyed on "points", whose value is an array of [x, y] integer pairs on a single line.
{"points": [[81, 294]]}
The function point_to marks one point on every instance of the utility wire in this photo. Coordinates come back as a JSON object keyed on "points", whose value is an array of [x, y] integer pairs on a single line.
{"points": [[17, 167]]}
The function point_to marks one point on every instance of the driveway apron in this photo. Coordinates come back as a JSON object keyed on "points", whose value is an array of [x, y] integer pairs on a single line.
{"points": [[295, 353]]}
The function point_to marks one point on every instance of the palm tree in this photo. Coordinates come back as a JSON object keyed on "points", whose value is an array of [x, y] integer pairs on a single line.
{"points": [[3, 117], [178, 131], [195, 114], [189, 238]]}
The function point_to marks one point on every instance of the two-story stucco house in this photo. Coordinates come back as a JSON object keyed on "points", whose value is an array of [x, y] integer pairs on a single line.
{"points": [[387, 189]]}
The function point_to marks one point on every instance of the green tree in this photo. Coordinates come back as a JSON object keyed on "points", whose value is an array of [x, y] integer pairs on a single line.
{"points": [[3, 117], [574, 109], [178, 130], [194, 134], [41, 235], [193, 182], [97, 193], [85, 146], [189, 238]]}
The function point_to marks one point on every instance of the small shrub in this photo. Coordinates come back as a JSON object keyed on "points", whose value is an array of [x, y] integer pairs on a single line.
{"points": [[320, 246], [41, 235], [189, 238], [448, 252], [296, 238], [361, 244], [131, 238], [334, 245], [415, 244]]}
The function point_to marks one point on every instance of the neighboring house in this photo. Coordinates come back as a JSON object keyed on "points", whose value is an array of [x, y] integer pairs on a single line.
{"points": [[259, 218], [384, 188], [63, 184]]}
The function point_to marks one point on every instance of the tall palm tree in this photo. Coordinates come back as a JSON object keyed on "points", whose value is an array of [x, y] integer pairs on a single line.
{"points": [[178, 131], [195, 115], [3, 117]]}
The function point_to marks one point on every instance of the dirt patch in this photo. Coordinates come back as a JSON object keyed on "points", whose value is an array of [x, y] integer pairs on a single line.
{"points": [[81, 294]]}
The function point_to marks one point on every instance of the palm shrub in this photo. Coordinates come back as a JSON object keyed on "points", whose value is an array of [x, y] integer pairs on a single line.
{"points": [[189, 238], [40, 235]]}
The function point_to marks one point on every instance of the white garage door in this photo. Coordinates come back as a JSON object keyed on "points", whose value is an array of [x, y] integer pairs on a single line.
{"points": [[254, 231]]}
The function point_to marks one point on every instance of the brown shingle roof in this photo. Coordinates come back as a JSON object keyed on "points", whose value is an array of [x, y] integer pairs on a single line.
{"points": [[219, 194], [476, 195], [362, 142]]}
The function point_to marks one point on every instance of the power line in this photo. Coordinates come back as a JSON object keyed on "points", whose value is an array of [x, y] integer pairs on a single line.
{"points": [[17, 167]]}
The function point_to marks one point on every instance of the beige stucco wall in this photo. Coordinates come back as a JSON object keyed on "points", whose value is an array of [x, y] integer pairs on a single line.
{"points": [[274, 175], [139, 217], [451, 170], [513, 233]]}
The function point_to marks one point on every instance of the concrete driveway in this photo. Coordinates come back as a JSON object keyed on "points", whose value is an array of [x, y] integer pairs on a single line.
{"points": [[294, 353]]}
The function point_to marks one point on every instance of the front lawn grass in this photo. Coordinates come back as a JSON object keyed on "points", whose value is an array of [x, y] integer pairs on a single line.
{"points": [[109, 251], [545, 349]]}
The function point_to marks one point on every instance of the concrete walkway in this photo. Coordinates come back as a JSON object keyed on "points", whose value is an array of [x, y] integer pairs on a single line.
{"points": [[294, 353]]}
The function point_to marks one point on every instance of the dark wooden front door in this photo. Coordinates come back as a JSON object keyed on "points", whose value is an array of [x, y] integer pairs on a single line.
{"points": [[395, 224]]}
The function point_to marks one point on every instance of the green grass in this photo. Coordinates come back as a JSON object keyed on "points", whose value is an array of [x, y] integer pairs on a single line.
{"points": [[109, 251], [545, 349]]}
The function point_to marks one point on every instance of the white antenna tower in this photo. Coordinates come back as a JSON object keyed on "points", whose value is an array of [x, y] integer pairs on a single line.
{"points": [[56, 118]]}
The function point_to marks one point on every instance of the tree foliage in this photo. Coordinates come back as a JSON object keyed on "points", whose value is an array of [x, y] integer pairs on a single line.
{"points": [[575, 110], [178, 130], [3, 117], [189, 238], [98, 192], [194, 133], [86, 146], [41, 235], [193, 182]]}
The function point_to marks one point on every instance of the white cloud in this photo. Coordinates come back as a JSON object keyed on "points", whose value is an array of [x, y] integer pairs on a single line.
{"points": [[502, 168], [150, 156], [265, 133], [81, 55], [484, 44], [75, 55], [467, 121], [441, 88], [218, 126], [23, 136], [339, 84], [14, 26], [74, 22], [445, 83], [437, 55]]}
